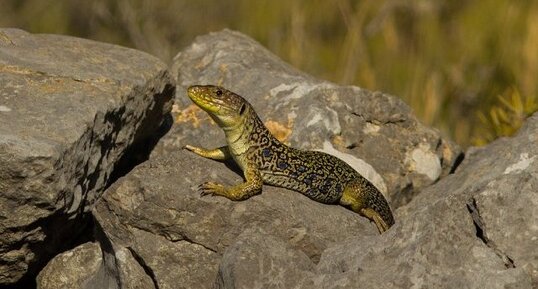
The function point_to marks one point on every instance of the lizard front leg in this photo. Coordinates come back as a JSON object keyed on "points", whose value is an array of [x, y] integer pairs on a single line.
{"points": [[219, 154], [252, 186]]}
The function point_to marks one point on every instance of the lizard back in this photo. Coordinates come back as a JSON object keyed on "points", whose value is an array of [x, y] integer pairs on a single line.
{"points": [[319, 176]]}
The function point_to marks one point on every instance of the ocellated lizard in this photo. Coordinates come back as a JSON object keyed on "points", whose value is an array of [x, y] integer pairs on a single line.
{"points": [[264, 159]]}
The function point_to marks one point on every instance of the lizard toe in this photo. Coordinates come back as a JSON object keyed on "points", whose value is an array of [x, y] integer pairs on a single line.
{"points": [[210, 188]]}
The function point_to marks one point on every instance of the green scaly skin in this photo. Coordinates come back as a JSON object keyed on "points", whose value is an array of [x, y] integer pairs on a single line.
{"points": [[264, 159]]}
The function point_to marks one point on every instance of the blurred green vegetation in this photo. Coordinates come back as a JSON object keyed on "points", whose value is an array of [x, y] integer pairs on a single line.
{"points": [[466, 67]]}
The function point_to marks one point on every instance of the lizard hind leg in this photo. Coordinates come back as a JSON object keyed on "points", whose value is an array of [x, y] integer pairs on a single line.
{"points": [[365, 199], [376, 218]]}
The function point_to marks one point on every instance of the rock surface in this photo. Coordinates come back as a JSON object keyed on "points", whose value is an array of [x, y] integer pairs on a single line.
{"points": [[376, 133], [186, 241], [475, 228], [83, 263], [157, 213], [69, 110], [85, 268], [268, 261]]}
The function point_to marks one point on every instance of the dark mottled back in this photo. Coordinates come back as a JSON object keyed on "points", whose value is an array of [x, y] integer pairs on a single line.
{"points": [[320, 176]]}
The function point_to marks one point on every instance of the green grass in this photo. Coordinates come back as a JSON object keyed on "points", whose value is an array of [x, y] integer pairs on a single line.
{"points": [[469, 68]]}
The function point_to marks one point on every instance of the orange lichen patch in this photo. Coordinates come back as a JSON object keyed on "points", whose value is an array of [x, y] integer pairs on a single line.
{"points": [[52, 85], [223, 68], [448, 154], [280, 131], [16, 70], [189, 114], [338, 141]]}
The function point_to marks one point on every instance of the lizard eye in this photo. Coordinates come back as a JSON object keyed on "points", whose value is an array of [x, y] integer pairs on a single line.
{"points": [[242, 109], [219, 92]]}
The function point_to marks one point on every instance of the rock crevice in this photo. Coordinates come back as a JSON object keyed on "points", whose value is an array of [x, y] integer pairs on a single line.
{"points": [[480, 227], [147, 269]]}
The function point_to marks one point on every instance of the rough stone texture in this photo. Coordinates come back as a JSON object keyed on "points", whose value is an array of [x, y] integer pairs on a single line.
{"points": [[376, 133], [477, 228], [263, 257], [84, 268], [71, 269], [131, 273], [157, 213], [69, 110]]}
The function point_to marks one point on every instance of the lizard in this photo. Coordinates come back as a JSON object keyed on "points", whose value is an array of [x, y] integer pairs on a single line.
{"points": [[265, 160]]}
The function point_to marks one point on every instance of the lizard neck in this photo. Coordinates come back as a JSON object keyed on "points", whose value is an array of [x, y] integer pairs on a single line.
{"points": [[237, 135], [250, 133]]}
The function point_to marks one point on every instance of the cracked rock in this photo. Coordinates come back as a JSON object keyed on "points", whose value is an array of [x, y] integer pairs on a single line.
{"points": [[482, 234], [70, 110]]}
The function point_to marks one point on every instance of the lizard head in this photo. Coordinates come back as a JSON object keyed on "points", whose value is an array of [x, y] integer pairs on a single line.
{"points": [[226, 108]]}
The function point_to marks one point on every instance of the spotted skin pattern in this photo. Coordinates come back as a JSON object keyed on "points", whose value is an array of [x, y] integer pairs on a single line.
{"points": [[265, 160]]}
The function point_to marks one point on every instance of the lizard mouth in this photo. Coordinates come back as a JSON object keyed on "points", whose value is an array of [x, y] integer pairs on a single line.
{"points": [[204, 100]]}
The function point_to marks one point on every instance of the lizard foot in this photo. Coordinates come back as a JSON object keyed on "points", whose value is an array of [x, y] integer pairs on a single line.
{"points": [[213, 189]]}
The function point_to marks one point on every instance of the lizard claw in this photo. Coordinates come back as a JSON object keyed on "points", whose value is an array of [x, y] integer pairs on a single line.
{"points": [[210, 188]]}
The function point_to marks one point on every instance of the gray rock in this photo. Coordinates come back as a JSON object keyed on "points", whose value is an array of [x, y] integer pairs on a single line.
{"points": [[72, 269], [376, 133], [259, 260], [466, 230], [435, 242], [157, 212], [85, 268], [130, 272], [69, 110], [476, 228]]}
